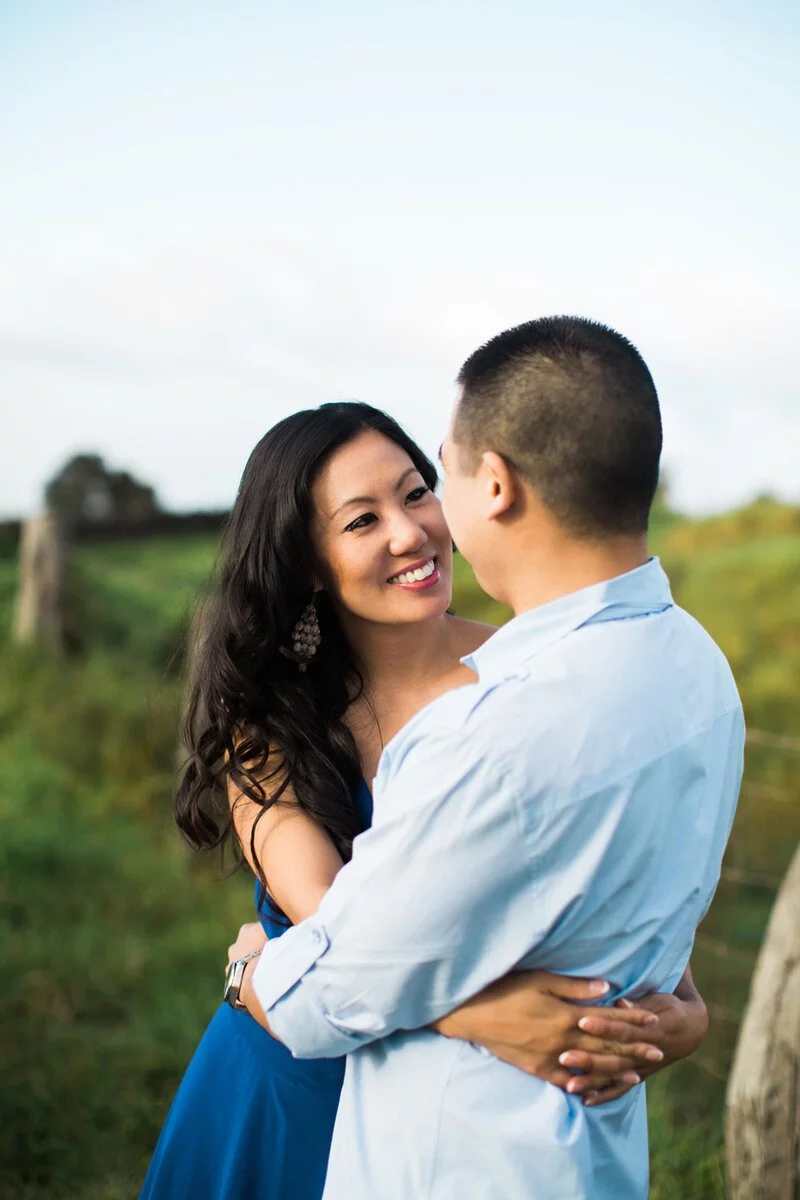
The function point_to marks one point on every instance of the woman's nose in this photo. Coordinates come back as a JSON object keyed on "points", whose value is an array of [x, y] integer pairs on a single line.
{"points": [[407, 536]]}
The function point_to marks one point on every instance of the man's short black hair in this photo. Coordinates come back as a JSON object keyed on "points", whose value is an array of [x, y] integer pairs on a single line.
{"points": [[572, 406]]}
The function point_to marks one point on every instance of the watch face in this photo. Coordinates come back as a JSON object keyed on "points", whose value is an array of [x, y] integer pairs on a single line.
{"points": [[233, 978]]}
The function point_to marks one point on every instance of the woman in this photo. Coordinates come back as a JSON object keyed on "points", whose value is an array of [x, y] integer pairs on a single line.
{"points": [[331, 630]]}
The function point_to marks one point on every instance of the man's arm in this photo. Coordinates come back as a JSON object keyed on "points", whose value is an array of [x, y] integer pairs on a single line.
{"points": [[436, 903]]}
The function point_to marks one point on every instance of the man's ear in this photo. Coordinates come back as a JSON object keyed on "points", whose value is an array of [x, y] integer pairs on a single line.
{"points": [[502, 485]]}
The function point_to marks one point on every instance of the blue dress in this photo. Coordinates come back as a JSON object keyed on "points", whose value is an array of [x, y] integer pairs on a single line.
{"points": [[249, 1122]]}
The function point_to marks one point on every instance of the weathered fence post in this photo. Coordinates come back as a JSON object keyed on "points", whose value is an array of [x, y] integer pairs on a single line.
{"points": [[762, 1133], [195, 642], [38, 613]]}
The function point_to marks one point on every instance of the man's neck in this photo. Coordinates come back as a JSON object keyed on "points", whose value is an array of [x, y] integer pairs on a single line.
{"points": [[559, 566]]}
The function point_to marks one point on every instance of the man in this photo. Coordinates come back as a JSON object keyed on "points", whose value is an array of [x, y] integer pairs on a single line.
{"points": [[568, 811]]}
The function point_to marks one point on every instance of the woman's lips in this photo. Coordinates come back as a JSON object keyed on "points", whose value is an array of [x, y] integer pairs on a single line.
{"points": [[431, 576]]}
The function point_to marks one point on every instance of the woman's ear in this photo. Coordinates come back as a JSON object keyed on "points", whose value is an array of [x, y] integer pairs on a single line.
{"points": [[502, 485]]}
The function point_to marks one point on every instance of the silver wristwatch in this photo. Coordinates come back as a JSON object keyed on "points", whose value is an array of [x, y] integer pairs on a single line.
{"points": [[233, 980]]}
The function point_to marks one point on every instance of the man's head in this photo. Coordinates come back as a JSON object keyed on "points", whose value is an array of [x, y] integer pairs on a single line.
{"points": [[558, 417]]}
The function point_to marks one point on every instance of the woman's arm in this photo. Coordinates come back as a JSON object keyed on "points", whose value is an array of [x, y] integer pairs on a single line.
{"points": [[531, 1019], [526, 1020], [296, 857]]}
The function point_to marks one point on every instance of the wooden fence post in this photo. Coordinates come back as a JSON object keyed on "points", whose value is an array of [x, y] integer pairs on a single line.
{"points": [[195, 641], [762, 1128], [38, 613]]}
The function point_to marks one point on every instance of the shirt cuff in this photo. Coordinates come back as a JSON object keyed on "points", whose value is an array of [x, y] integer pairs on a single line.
{"points": [[284, 984]]}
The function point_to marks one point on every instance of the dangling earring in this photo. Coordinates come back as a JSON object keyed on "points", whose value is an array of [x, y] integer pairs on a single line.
{"points": [[306, 636]]}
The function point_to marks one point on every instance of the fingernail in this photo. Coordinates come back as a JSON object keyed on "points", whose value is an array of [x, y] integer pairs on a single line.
{"points": [[585, 1024], [573, 1086], [651, 1019], [631, 1077], [590, 1096], [566, 1058], [654, 1055], [599, 987]]}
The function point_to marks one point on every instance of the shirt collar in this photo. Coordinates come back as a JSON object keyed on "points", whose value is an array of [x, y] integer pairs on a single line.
{"points": [[643, 590]]}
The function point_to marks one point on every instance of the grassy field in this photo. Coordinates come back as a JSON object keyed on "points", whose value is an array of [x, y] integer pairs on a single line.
{"points": [[114, 934]]}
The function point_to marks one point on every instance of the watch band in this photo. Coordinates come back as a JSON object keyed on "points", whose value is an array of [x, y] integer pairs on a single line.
{"points": [[233, 980]]}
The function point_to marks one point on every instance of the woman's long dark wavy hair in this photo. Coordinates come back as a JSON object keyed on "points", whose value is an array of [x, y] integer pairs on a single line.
{"points": [[252, 716]]}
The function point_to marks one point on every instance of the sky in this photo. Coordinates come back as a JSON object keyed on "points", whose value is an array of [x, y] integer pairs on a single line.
{"points": [[212, 215]]}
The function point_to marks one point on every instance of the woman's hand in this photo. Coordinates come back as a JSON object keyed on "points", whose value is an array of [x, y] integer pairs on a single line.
{"points": [[682, 1027], [525, 1020], [250, 937]]}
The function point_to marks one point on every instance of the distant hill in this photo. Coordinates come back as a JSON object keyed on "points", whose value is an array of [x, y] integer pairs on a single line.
{"points": [[738, 573]]}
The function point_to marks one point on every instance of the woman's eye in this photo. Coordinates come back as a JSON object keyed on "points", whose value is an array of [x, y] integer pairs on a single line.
{"points": [[418, 493], [360, 522]]}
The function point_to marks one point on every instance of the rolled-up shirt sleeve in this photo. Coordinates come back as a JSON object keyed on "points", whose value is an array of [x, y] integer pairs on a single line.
{"points": [[393, 944]]}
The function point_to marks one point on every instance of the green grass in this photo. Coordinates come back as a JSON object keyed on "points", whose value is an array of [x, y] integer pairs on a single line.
{"points": [[114, 935], [136, 596], [687, 1159], [114, 938]]}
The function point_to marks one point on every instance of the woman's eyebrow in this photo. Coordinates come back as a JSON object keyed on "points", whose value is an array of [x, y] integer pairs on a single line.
{"points": [[371, 499]]}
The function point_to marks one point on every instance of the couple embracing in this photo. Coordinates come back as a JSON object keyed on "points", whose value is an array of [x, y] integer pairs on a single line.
{"points": [[550, 805]]}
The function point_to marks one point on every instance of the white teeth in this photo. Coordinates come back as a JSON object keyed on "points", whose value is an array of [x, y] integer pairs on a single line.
{"points": [[415, 576]]}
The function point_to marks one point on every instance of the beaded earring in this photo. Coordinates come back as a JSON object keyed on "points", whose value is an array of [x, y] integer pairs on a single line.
{"points": [[306, 635]]}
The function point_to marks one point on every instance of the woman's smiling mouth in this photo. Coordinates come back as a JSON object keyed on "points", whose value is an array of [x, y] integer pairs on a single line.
{"points": [[418, 576]]}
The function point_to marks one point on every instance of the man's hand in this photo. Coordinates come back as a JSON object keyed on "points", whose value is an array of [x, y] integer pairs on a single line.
{"points": [[250, 937]]}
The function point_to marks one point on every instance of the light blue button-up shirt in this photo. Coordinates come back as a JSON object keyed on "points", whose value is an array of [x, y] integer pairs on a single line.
{"points": [[568, 811]]}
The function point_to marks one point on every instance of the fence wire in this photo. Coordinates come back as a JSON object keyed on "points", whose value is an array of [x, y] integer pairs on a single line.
{"points": [[776, 741]]}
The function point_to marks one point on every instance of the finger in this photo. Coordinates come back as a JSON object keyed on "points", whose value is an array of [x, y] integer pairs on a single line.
{"points": [[569, 1082], [601, 1023], [624, 1017], [638, 1050], [604, 1064], [604, 1095], [579, 1085], [596, 1083], [582, 1058], [568, 987], [619, 1041]]}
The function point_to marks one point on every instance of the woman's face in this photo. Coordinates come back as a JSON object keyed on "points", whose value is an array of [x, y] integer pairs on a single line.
{"points": [[380, 536]]}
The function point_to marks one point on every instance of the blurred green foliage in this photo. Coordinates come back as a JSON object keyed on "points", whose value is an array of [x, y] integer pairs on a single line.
{"points": [[114, 935]]}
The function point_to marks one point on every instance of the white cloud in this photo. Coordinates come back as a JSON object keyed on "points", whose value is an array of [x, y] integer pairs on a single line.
{"points": [[176, 365]]}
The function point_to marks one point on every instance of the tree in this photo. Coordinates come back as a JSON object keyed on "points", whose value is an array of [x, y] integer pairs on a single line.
{"points": [[85, 490]]}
